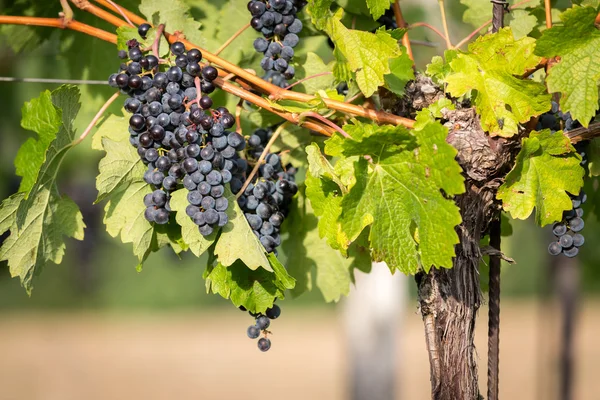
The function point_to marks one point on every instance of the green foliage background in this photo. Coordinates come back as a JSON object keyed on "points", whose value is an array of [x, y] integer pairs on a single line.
{"points": [[99, 273]]}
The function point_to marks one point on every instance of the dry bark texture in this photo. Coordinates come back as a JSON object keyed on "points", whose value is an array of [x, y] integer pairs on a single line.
{"points": [[449, 298]]}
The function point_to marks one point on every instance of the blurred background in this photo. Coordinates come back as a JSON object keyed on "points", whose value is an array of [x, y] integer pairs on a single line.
{"points": [[95, 328]]}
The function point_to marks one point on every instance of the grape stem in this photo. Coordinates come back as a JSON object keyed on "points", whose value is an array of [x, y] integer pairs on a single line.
{"points": [[156, 43], [67, 12], [325, 121], [231, 39], [86, 6], [262, 157], [445, 23], [426, 25], [485, 24], [402, 24], [272, 97], [120, 12], [268, 88], [597, 21], [198, 90], [97, 117]]}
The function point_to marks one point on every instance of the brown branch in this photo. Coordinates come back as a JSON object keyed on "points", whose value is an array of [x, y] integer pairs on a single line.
{"points": [[268, 88], [548, 8], [426, 25], [324, 120], [402, 24], [86, 6], [231, 39], [597, 21], [263, 103], [59, 23], [67, 12], [581, 134], [121, 12], [476, 31]]}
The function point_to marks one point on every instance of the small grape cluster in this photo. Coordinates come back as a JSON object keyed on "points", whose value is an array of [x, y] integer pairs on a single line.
{"points": [[266, 201], [567, 232], [277, 21], [262, 322], [556, 120], [172, 127]]}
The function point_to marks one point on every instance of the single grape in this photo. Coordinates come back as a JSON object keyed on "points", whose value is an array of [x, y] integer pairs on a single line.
{"points": [[565, 241], [253, 331], [578, 240], [263, 322], [211, 216], [576, 224], [143, 30], [206, 230], [572, 252], [273, 312], [161, 217], [264, 344]]}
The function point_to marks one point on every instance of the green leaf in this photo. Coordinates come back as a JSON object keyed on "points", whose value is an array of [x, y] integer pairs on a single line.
{"points": [[175, 14], [325, 190], [304, 251], [314, 65], [39, 216], [126, 33], [319, 11], [256, 290], [365, 54], [401, 72], [238, 242], [576, 76], [197, 243], [439, 68], [547, 167], [42, 117], [120, 181], [521, 22], [489, 68], [378, 7], [398, 193]]}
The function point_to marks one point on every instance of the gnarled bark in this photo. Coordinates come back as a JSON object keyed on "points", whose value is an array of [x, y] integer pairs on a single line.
{"points": [[449, 298]]}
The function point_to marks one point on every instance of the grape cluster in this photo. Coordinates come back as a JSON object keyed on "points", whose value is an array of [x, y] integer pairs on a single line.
{"points": [[171, 127], [262, 322], [567, 232], [266, 201], [277, 21]]}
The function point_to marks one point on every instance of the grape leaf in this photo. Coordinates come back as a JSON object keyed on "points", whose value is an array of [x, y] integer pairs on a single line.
{"points": [[126, 33], [175, 14], [197, 243], [378, 7], [304, 250], [314, 65], [39, 216], [489, 68], [397, 193], [401, 71], [439, 68], [237, 241], [120, 181], [40, 116], [256, 290], [521, 22], [547, 167], [576, 75], [325, 190], [364, 53]]}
